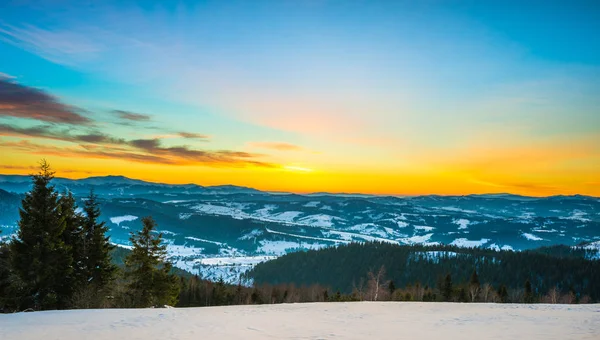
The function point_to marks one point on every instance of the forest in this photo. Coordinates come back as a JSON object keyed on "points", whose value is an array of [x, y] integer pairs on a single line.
{"points": [[348, 269]]}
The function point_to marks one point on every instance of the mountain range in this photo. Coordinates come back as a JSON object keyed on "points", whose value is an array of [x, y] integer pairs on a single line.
{"points": [[222, 231]]}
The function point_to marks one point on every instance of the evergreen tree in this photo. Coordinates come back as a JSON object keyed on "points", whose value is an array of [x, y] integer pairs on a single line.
{"points": [[97, 249], [447, 288], [39, 256], [528, 292], [391, 287], [4, 275], [72, 237], [150, 280], [503, 293]]}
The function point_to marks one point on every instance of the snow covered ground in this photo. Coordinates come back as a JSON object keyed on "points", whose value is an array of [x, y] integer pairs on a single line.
{"points": [[364, 320]]}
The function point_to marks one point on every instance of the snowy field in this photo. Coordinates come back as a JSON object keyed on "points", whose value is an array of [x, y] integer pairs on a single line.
{"points": [[364, 320]]}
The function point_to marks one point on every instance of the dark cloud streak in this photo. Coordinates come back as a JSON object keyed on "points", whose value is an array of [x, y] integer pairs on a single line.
{"points": [[133, 116], [22, 101]]}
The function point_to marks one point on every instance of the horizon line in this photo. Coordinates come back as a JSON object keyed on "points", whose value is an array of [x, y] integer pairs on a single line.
{"points": [[307, 193]]}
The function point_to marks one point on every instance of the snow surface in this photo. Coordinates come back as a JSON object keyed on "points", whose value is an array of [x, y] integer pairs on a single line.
{"points": [[465, 243], [358, 320], [532, 237], [462, 223], [120, 219]]}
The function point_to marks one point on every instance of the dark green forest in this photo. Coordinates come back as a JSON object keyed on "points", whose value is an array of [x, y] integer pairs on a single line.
{"points": [[346, 268]]}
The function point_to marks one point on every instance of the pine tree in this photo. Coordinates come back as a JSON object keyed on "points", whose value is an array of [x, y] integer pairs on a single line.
{"points": [[39, 256], [151, 283], [98, 265], [503, 294], [447, 288], [391, 287], [528, 292], [72, 236]]}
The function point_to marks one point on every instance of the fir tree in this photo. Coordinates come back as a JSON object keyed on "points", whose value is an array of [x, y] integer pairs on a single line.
{"points": [[528, 292], [503, 293], [391, 287], [72, 236], [98, 265], [39, 256], [447, 288], [151, 283]]}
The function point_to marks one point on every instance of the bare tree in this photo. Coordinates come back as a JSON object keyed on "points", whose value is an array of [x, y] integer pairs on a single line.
{"points": [[359, 290], [486, 292], [553, 295], [376, 284]]}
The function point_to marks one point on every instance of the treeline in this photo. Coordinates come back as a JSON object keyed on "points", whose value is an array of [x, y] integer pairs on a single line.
{"points": [[440, 273], [61, 258]]}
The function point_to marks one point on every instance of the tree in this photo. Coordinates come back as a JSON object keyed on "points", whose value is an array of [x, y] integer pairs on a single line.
{"points": [[5, 277], [100, 270], [39, 256], [553, 295], [528, 292], [376, 284], [474, 286], [447, 288], [487, 292], [150, 280], [503, 294], [92, 257], [72, 236], [391, 287]]}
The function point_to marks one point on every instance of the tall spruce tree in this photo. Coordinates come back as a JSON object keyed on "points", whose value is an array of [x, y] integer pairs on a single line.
{"points": [[447, 288], [39, 256], [528, 292], [150, 280], [97, 261], [72, 236]]}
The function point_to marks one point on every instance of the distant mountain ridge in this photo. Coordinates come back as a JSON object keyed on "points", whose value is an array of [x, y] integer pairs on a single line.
{"points": [[113, 180]]}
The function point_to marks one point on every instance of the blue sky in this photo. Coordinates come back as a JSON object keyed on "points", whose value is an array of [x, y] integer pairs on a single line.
{"points": [[436, 96]]}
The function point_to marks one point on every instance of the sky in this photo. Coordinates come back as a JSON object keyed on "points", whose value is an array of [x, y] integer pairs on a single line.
{"points": [[382, 97]]}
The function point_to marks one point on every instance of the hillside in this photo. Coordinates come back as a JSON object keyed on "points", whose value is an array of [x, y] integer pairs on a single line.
{"points": [[346, 267]]}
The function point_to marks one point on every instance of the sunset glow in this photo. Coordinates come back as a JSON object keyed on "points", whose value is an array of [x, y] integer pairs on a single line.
{"points": [[310, 96]]}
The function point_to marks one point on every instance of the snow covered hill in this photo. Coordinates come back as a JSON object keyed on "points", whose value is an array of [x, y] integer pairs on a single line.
{"points": [[359, 320], [222, 231]]}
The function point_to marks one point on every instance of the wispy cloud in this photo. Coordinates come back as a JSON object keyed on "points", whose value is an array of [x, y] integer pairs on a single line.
{"points": [[192, 135], [51, 132], [60, 46], [6, 76], [100, 145], [133, 116], [28, 102], [280, 146]]}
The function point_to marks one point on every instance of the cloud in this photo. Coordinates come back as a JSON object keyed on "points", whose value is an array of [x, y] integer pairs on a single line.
{"points": [[49, 132], [27, 102], [6, 76], [100, 145], [66, 47], [280, 146], [136, 117], [185, 155], [192, 135]]}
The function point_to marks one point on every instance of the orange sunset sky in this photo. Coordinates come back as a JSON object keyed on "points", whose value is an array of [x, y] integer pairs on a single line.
{"points": [[358, 97]]}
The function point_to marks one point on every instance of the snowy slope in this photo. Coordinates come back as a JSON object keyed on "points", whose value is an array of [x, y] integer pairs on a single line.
{"points": [[359, 320]]}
